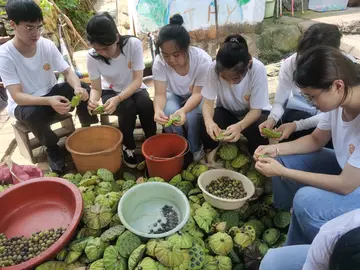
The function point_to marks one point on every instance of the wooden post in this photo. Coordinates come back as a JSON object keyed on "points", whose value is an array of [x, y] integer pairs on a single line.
{"points": [[216, 22]]}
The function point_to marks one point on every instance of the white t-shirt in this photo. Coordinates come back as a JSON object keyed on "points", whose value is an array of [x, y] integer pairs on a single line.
{"points": [[287, 88], [251, 92], [119, 74], [345, 137], [35, 74], [323, 245], [180, 85]]}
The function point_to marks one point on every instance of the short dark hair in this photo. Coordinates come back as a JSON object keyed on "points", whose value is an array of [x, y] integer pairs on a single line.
{"points": [[320, 34], [176, 32], [320, 66], [23, 11], [233, 55], [346, 252], [102, 29]]}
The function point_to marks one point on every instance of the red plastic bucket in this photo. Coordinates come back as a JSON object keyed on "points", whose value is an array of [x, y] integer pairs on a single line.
{"points": [[164, 155]]}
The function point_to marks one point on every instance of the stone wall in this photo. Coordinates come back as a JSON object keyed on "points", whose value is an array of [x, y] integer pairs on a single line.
{"points": [[269, 41], [207, 40]]}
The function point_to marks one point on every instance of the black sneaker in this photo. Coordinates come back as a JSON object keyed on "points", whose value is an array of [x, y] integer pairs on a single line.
{"points": [[129, 157], [56, 159]]}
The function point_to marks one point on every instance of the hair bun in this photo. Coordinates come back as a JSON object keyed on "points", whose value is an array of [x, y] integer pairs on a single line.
{"points": [[177, 19]]}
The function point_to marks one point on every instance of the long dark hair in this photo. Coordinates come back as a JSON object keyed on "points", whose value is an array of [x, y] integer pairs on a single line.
{"points": [[320, 66], [233, 55], [346, 253], [174, 31], [320, 34], [102, 29]]}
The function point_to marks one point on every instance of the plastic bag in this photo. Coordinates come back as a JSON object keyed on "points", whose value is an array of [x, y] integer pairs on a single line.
{"points": [[210, 160], [5, 175], [19, 173]]}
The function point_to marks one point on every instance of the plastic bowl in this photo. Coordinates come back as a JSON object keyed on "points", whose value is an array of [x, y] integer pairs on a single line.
{"points": [[140, 207], [40, 204], [221, 203]]}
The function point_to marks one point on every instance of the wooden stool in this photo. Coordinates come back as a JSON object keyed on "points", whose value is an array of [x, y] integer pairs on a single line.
{"points": [[27, 145]]}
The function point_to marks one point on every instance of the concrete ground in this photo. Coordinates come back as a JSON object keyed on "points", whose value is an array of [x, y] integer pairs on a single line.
{"points": [[350, 44]]}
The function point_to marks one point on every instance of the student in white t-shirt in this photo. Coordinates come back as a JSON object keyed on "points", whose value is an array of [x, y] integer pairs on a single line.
{"points": [[27, 65], [238, 84], [319, 183], [115, 65], [335, 247], [291, 112], [179, 73]]}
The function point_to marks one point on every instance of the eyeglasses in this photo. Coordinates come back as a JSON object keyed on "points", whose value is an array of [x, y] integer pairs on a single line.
{"points": [[311, 98], [32, 29]]}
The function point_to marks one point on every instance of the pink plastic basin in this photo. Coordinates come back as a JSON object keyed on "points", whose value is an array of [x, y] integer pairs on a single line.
{"points": [[40, 204]]}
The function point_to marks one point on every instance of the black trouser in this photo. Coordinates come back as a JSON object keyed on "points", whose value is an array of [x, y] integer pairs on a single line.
{"points": [[224, 118], [38, 118], [3, 97], [291, 115], [138, 104]]}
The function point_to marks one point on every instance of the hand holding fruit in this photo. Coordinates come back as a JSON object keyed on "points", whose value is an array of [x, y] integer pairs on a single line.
{"points": [[271, 133], [270, 167], [233, 133], [269, 123], [269, 150], [111, 105], [60, 104], [92, 104], [174, 120], [213, 130], [82, 93], [286, 129], [160, 117], [180, 113]]}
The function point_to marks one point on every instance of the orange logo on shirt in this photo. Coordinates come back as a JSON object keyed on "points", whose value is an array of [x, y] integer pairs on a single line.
{"points": [[247, 98], [351, 148], [129, 64], [46, 66]]}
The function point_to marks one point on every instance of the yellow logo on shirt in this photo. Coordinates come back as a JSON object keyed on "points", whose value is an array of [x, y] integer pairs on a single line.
{"points": [[46, 66], [351, 149], [129, 64], [247, 98]]}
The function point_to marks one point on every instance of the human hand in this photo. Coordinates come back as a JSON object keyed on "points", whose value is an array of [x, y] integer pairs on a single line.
{"points": [[111, 105], [270, 167], [84, 95], [60, 104], [286, 129], [182, 115], [213, 130], [233, 133], [92, 104], [160, 117], [269, 123], [268, 150]]}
